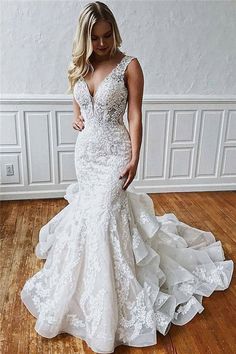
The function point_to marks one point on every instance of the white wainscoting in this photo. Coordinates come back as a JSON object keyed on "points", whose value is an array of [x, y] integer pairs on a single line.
{"points": [[189, 144]]}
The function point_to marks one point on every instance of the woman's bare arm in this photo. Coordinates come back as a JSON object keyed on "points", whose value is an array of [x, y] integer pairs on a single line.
{"points": [[135, 83], [78, 122]]}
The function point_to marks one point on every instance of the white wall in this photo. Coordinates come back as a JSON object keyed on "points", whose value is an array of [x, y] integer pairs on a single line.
{"points": [[184, 47], [188, 54]]}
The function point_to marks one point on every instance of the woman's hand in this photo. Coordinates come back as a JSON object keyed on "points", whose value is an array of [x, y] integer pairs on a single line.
{"points": [[78, 123], [130, 172]]}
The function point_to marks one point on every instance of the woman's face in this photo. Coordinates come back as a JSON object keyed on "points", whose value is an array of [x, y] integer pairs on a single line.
{"points": [[102, 38]]}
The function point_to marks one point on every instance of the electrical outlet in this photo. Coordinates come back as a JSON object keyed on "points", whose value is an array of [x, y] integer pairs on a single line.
{"points": [[9, 170]]}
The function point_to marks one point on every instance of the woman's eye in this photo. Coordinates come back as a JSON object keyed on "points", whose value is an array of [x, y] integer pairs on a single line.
{"points": [[95, 38]]}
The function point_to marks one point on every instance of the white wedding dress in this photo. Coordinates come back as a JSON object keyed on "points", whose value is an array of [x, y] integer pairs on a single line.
{"points": [[116, 273]]}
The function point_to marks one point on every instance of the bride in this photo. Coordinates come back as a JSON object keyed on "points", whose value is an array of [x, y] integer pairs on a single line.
{"points": [[115, 273]]}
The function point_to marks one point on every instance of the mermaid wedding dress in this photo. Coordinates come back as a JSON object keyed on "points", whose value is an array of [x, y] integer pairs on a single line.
{"points": [[116, 273]]}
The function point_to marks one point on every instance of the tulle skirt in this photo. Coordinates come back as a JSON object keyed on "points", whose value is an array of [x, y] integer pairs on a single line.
{"points": [[122, 275]]}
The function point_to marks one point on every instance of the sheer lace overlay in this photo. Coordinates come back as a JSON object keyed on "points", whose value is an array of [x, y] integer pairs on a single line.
{"points": [[116, 273]]}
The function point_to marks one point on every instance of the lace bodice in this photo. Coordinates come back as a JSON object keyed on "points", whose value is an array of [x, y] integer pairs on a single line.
{"points": [[104, 145], [108, 104]]}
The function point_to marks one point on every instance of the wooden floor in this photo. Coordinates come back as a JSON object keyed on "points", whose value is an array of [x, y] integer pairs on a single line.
{"points": [[211, 331]]}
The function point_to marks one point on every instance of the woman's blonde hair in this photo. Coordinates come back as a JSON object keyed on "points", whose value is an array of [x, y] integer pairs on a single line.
{"points": [[82, 44]]}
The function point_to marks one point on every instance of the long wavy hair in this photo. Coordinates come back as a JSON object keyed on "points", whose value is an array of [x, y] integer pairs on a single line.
{"points": [[82, 47]]}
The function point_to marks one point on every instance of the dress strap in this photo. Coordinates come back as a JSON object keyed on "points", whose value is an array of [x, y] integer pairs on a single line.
{"points": [[125, 62]]}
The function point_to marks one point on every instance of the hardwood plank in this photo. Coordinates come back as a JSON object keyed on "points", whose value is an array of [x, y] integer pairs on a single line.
{"points": [[209, 332]]}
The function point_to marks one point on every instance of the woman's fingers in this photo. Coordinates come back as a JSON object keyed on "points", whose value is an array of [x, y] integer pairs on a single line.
{"points": [[127, 182], [76, 126], [78, 123], [129, 179], [123, 173]]}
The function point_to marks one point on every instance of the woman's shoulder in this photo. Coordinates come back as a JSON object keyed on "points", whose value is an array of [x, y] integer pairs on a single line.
{"points": [[132, 65], [134, 62], [130, 56]]}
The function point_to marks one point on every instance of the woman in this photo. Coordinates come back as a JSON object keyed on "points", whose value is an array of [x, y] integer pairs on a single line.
{"points": [[115, 273]]}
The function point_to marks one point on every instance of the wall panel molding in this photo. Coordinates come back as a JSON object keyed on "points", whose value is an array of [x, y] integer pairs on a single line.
{"points": [[189, 144]]}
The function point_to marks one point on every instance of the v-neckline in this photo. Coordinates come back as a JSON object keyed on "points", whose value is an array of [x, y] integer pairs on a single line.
{"points": [[105, 78]]}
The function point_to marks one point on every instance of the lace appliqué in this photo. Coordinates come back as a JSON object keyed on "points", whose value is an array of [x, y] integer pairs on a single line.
{"points": [[183, 309], [212, 276]]}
